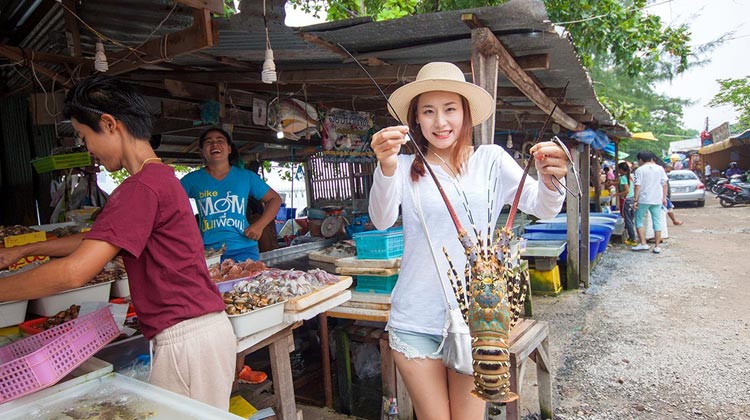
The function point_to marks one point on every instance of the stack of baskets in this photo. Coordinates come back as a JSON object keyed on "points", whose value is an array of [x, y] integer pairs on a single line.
{"points": [[378, 245]]}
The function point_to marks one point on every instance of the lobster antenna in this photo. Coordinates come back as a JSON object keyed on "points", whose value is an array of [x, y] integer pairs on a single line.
{"points": [[514, 207], [454, 217]]}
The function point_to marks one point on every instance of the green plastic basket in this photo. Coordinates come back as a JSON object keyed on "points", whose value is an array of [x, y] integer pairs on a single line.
{"points": [[379, 245], [70, 160], [376, 284]]}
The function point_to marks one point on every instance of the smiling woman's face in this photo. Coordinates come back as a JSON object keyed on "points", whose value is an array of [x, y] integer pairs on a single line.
{"points": [[215, 147]]}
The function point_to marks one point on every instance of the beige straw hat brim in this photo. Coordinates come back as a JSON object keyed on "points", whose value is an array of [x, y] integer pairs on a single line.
{"points": [[446, 77]]}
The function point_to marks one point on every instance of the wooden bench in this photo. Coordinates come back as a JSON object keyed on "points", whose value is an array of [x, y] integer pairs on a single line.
{"points": [[528, 341]]}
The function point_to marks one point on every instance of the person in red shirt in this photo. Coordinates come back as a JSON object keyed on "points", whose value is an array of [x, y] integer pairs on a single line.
{"points": [[147, 220]]}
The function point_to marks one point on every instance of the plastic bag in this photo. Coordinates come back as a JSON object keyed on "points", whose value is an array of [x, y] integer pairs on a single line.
{"points": [[366, 359]]}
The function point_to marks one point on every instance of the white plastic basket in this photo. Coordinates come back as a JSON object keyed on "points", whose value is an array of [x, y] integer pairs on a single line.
{"points": [[51, 305], [120, 288]]}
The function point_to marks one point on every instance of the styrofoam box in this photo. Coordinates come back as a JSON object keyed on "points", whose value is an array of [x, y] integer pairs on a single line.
{"points": [[120, 288], [12, 313], [257, 319], [51, 305]]}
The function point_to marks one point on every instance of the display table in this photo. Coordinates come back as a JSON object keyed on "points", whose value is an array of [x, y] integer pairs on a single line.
{"points": [[280, 343]]}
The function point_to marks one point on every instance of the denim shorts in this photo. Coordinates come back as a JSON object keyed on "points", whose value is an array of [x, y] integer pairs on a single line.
{"points": [[415, 345]]}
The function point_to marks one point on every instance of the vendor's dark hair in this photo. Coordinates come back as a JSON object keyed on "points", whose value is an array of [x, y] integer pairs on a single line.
{"points": [[234, 155], [98, 95]]}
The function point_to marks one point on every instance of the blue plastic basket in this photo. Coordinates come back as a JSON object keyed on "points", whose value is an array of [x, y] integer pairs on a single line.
{"points": [[379, 244], [376, 284]]}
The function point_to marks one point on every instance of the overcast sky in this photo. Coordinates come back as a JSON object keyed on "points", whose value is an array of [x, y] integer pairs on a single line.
{"points": [[708, 20]]}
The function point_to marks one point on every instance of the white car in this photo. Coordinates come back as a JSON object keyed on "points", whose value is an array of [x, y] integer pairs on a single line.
{"points": [[684, 186]]}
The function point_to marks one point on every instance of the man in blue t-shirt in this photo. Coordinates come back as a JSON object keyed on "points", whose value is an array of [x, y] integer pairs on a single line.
{"points": [[221, 192]]}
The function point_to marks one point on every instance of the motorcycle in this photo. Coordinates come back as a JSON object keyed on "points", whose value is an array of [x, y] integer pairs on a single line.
{"points": [[735, 194], [721, 185]]}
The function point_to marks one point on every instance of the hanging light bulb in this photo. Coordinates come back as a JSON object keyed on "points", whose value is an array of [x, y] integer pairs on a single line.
{"points": [[509, 142], [279, 131], [100, 59], [268, 75]]}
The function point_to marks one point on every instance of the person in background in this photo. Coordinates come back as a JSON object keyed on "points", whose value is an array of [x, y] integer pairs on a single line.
{"points": [[147, 220], [441, 108], [626, 192], [221, 190], [670, 205], [649, 196], [734, 169], [707, 172]]}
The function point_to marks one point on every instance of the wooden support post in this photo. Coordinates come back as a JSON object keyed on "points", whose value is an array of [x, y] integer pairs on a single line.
{"points": [[596, 171], [283, 384], [574, 210], [343, 372], [326, 356], [544, 380], [485, 67], [71, 27], [585, 269], [487, 43]]}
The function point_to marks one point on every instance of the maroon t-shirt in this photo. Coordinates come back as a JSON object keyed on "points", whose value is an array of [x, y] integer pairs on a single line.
{"points": [[150, 218]]}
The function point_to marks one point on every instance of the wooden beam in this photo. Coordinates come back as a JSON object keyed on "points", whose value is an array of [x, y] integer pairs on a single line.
{"points": [[511, 92], [202, 34], [570, 109], [541, 117], [71, 27], [189, 90], [487, 43], [533, 62], [180, 110], [14, 56], [471, 20], [308, 37], [46, 57], [486, 67], [226, 61], [214, 6]]}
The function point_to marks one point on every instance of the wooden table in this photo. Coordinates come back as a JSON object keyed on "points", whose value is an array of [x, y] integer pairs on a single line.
{"points": [[280, 343]]}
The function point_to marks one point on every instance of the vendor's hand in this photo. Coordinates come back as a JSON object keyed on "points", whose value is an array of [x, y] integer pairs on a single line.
{"points": [[254, 231], [9, 256], [386, 144], [550, 159]]}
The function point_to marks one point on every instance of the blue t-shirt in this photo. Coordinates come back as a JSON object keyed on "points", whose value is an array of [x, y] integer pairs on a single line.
{"points": [[222, 205]]}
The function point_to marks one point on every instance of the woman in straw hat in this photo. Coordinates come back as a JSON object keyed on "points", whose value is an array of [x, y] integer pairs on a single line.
{"points": [[441, 108]]}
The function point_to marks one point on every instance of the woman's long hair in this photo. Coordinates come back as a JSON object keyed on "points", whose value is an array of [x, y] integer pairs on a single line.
{"points": [[625, 168], [460, 154]]}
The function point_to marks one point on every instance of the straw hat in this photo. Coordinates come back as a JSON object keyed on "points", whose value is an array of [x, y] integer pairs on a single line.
{"points": [[443, 77]]}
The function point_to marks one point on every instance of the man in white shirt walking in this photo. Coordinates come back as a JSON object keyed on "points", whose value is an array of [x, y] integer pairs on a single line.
{"points": [[650, 195]]}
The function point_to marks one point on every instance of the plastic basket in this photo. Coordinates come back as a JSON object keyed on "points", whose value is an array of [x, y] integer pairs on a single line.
{"points": [[69, 160], [376, 284], [379, 245], [41, 360]]}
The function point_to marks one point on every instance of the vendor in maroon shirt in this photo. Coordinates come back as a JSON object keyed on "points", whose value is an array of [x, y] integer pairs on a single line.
{"points": [[149, 221]]}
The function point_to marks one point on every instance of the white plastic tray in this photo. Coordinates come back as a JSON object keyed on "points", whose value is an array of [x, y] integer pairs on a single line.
{"points": [[111, 390], [12, 313], [51, 305], [120, 288], [257, 320]]}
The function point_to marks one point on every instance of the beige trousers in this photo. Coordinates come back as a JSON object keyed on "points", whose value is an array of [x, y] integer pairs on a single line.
{"points": [[196, 358]]}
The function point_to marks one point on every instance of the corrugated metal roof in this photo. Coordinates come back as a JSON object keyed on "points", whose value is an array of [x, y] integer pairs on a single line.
{"points": [[522, 26]]}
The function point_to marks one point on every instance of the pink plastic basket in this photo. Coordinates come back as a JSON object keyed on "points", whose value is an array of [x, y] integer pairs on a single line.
{"points": [[41, 360]]}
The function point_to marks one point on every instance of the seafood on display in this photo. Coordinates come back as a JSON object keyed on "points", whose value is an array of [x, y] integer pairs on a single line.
{"points": [[231, 270], [272, 286]]}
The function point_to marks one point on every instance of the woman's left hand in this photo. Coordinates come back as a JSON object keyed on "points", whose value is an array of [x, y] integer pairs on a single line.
{"points": [[254, 231], [549, 159]]}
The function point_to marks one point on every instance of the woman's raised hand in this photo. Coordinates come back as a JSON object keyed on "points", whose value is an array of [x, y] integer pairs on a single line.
{"points": [[386, 144]]}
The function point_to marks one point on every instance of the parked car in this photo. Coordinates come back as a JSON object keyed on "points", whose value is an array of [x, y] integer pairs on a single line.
{"points": [[684, 186]]}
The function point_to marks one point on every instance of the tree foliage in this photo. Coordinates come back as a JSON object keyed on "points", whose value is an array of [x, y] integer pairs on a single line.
{"points": [[606, 32], [735, 92]]}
